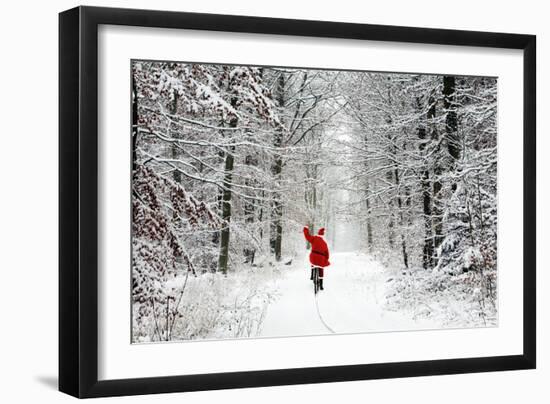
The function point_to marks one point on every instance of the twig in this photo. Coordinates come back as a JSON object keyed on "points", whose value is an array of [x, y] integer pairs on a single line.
{"points": [[179, 301], [155, 317]]}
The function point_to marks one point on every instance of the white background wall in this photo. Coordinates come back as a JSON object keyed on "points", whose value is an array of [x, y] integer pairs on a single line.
{"points": [[28, 199]]}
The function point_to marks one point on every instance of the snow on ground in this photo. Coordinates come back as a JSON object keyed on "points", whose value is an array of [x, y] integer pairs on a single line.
{"points": [[361, 295], [454, 300], [215, 306], [353, 301]]}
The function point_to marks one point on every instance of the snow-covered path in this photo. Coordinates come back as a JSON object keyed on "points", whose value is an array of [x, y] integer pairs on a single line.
{"points": [[353, 301]]}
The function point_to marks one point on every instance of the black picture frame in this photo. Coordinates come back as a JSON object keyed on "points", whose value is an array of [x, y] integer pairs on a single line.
{"points": [[78, 201]]}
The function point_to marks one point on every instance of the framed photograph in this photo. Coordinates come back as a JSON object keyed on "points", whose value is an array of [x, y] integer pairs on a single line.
{"points": [[251, 201]]}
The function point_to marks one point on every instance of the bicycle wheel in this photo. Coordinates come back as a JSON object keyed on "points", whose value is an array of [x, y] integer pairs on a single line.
{"points": [[315, 280]]}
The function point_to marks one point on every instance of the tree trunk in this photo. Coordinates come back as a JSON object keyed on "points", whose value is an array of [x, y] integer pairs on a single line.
{"points": [[226, 211], [369, 222], [249, 213], [391, 222], [389, 173], [451, 121], [310, 197], [276, 230], [219, 196], [173, 133], [226, 200], [134, 126], [453, 147], [428, 248], [367, 199], [436, 210], [401, 220]]}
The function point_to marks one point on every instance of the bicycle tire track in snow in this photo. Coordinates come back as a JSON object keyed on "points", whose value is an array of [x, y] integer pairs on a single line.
{"points": [[321, 317], [352, 302]]}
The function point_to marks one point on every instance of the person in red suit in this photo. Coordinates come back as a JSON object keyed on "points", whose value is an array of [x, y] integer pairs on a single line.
{"points": [[319, 255]]}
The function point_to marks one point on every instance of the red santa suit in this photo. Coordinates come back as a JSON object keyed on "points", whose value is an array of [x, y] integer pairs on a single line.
{"points": [[319, 255]]}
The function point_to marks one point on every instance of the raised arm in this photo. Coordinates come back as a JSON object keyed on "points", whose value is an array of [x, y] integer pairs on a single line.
{"points": [[308, 236]]}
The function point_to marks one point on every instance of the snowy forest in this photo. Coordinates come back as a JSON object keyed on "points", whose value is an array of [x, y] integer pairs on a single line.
{"points": [[229, 163]]}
